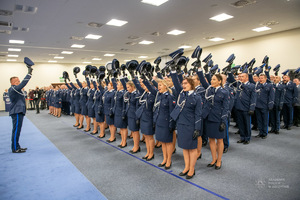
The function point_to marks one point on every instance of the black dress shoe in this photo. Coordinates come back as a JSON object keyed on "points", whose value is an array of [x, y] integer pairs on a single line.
{"points": [[87, 130], [119, 145], [157, 146], [101, 136], [148, 159], [24, 149], [238, 132], [110, 141], [133, 152], [143, 141], [19, 151], [199, 157], [183, 174], [247, 142], [258, 136], [94, 133], [204, 143], [189, 177], [168, 167], [272, 131], [145, 157], [240, 141], [283, 127], [124, 146], [75, 125], [211, 165], [264, 137], [80, 127], [161, 165], [288, 128], [276, 132], [225, 150], [174, 151], [254, 128], [218, 167]]}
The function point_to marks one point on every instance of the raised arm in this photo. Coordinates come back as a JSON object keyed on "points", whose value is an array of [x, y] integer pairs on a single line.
{"points": [[137, 85], [150, 87], [208, 77], [159, 75], [70, 88], [23, 83], [203, 82], [114, 82], [123, 81], [88, 81], [180, 77], [73, 86], [177, 85], [154, 83], [251, 79], [78, 82]]}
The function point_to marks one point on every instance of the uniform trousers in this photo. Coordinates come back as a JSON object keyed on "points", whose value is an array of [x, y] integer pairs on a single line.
{"points": [[262, 116], [244, 124], [287, 112], [275, 118], [17, 120]]}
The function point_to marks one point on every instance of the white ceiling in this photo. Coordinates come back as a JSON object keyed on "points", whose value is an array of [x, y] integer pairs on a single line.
{"points": [[55, 21]]}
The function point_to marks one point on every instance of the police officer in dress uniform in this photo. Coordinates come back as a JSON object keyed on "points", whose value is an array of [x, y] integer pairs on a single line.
{"points": [[297, 104], [245, 105], [18, 107], [187, 115], [99, 110]]}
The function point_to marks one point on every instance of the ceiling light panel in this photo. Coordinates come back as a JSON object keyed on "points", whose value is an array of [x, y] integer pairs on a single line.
{"points": [[59, 57], [109, 54], [13, 56], [185, 46], [216, 39], [260, 29], [176, 32], [146, 42], [52, 61], [96, 59], [14, 49], [16, 41], [221, 17], [143, 56], [86, 62], [94, 37], [67, 52], [154, 2], [78, 46], [116, 22]]}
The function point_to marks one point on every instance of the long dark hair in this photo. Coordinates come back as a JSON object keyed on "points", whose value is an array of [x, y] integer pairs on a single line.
{"points": [[220, 78], [191, 82]]}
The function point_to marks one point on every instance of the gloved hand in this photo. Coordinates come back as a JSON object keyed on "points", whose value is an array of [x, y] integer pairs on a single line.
{"points": [[205, 68], [173, 67], [196, 134], [222, 127], [111, 114], [30, 70], [131, 74], [153, 125], [75, 75], [157, 69], [99, 112], [137, 122], [171, 130], [251, 112], [124, 117], [148, 76], [143, 76]]}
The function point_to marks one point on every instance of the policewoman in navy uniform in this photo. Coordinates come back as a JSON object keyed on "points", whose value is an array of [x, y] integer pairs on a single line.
{"points": [[120, 119], [215, 113], [76, 103], [57, 101], [83, 100], [108, 103], [187, 115], [99, 110], [90, 103], [131, 99], [17, 109], [164, 125], [144, 115]]}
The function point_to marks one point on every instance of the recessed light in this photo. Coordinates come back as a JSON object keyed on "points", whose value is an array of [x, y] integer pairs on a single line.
{"points": [[96, 59], [109, 54], [86, 62], [127, 60], [116, 22], [16, 41], [78, 46], [58, 57], [67, 52], [15, 56], [11, 60], [260, 29], [13, 49], [216, 39], [143, 56], [91, 36], [154, 2], [221, 17], [184, 47], [146, 42], [175, 32], [52, 61]]}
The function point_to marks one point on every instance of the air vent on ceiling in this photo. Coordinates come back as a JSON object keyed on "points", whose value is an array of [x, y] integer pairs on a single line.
{"points": [[124, 49], [1, 55], [76, 38], [95, 24], [133, 37], [5, 31], [6, 13], [20, 29], [155, 34], [7, 24], [131, 43], [270, 23], [242, 3], [25, 9]]}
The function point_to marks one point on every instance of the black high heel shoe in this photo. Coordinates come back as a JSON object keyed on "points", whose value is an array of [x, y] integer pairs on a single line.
{"points": [[183, 174], [169, 166], [133, 152], [110, 141], [94, 133], [199, 156], [145, 157], [100, 136], [123, 146], [211, 165], [189, 177], [148, 159], [87, 130], [161, 165], [80, 127], [75, 125], [218, 167]]}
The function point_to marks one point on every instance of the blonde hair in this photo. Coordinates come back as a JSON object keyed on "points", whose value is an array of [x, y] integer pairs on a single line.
{"points": [[164, 82], [131, 84]]}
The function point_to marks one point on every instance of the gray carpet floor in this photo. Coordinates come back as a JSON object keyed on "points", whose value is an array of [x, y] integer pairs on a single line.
{"points": [[264, 169]]}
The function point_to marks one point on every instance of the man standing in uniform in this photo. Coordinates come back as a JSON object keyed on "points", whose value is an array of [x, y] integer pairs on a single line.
{"points": [[297, 104], [37, 99], [18, 108]]}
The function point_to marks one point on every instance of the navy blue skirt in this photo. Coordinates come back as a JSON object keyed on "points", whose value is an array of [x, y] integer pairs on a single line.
{"points": [[132, 124], [91, 112], [162, 134], [57, 105], [109, 120], [77, 109], [99, 118], [84, 110], [119, 122], [185, 137], [212, 129], [146, 127]]}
